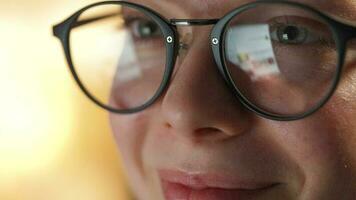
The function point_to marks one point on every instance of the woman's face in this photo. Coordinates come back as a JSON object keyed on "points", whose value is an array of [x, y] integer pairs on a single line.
{"points": [[198, 142]]}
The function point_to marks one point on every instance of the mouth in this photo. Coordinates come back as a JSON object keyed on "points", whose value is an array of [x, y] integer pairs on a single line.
{"points": [[183, 186]]}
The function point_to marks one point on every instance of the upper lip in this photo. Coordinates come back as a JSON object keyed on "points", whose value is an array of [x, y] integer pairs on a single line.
{"points": [[213, 180]]}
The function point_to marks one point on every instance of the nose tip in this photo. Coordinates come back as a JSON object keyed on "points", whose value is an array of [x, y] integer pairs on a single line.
{"points": [[181, 119], [194, 127], [197, 121]]}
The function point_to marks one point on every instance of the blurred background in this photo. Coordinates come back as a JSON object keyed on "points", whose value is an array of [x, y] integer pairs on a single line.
{"points": [[54, 143]]}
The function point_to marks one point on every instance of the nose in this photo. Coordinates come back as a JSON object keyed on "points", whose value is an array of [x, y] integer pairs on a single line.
{"points": [[198, 104]]}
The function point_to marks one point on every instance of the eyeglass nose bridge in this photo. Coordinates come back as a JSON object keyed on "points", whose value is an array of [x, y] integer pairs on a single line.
{"points": [[193, 22]]}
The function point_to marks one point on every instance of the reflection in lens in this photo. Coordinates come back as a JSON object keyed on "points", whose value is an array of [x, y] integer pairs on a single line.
{"points": [[119, 55], [284, 62]]}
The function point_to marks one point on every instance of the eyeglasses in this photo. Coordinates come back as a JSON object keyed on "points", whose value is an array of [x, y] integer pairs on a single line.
{"points": [[282, 60]]}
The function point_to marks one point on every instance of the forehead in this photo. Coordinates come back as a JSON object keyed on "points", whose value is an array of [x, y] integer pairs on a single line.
{"points": [[217, 8]]}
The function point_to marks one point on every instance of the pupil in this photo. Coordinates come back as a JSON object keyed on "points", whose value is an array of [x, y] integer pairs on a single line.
{"points": [[147, 28], [290, 33]]}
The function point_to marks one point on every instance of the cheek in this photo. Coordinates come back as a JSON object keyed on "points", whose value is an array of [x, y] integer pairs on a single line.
{"points": [[312, 142], [343, 103], [323, 144], [130, 133], [330, 134], [341, 110], [344, 100]]}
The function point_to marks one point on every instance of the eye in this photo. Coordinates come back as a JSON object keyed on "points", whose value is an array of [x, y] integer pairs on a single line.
{"points": [[298, 30], [143, 28], [292, 34]]}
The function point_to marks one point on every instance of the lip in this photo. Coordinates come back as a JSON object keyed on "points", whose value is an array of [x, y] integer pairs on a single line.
{"points": [[209, 186]]}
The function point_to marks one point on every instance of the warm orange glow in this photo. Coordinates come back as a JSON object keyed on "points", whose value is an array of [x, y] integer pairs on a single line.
{"points": [[54, 143]]}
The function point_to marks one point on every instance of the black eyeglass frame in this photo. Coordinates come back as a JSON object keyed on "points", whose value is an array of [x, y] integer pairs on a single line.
{"points": [[342, 33]]}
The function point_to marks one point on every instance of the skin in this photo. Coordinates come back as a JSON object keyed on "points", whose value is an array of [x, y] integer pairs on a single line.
{"points": [[197, 125]]}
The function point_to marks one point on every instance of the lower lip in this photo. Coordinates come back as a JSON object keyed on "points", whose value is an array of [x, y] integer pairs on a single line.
{"points": [[174, 191]]}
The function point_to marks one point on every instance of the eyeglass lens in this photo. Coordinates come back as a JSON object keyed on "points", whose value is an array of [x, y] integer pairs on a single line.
{"points": [[284, 61], [120, 59]]}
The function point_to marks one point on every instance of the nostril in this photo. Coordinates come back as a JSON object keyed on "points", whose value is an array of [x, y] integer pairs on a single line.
{"points": [[200, 133], [206, 132], [168, 125]]}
